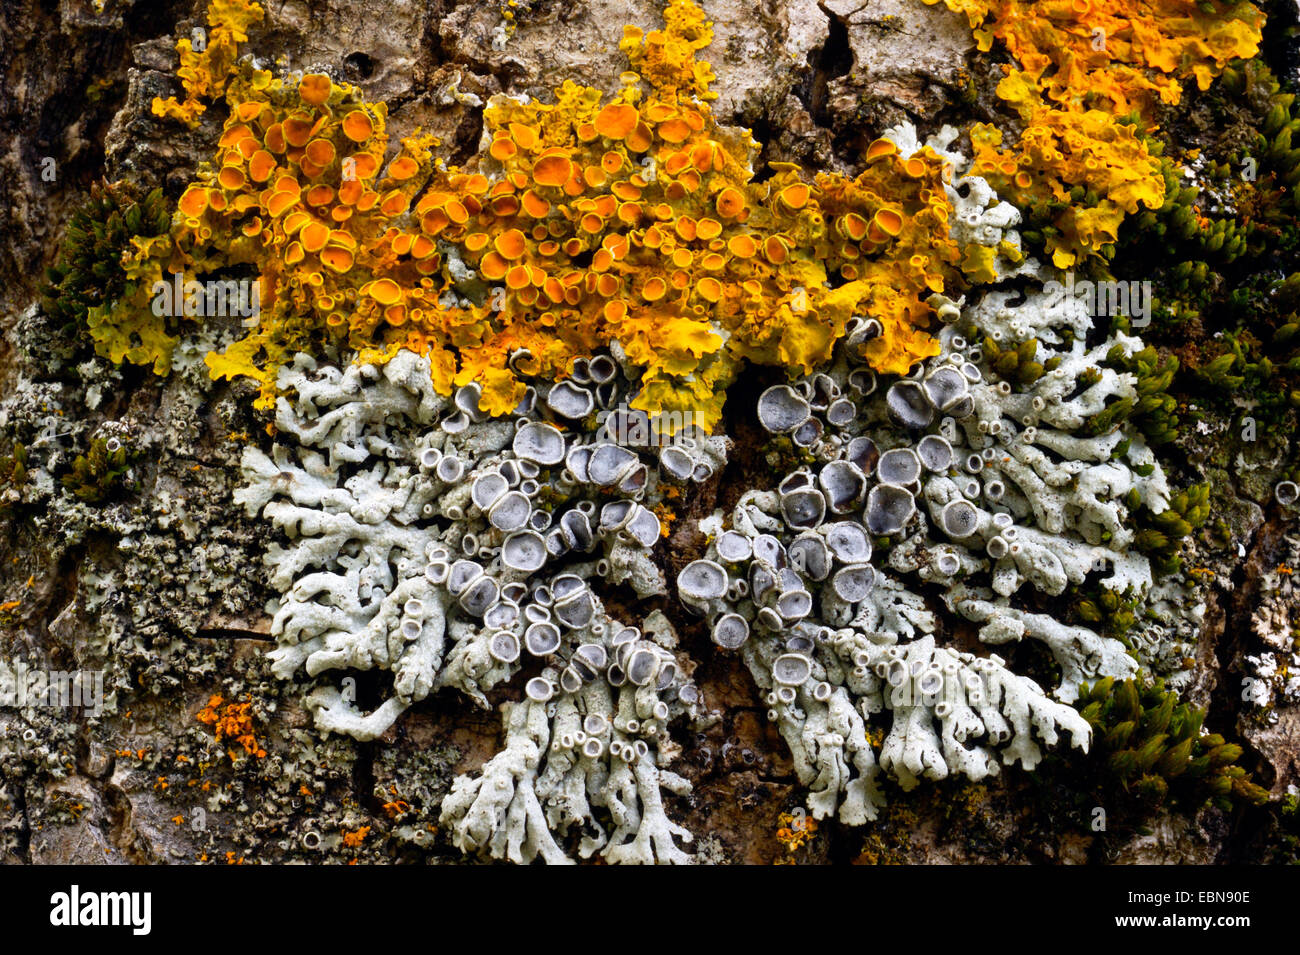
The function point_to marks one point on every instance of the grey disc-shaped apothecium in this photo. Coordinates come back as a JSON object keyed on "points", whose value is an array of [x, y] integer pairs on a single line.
{"points": [[862, 381], [804, 508], [945, 387], [634, 479], [841, 412], [569, 401], [848, 542], [538, 690], [781, 409], [608, 463], [467, 399], [733, 547], [576, 529], [457, 423], [487, 489], [799, 643], [947, 563], [450, 469], [908, 405], [843, 484], [566, 585], [899, 466], [962, 407], [703, 580], [540, 442], [510, 512], [806, 435], [570, 680], [1286, 493], [525, 550], [462, 573], [644, 527], [575, 611], [794, 604], [791, 669], [854, 583], [889, 508], [959, 519], [731, 631], [642, 666], [794, 481], [480, 595], [542, 639], [810, 556], [501, 615], [676, 463], [576, 461], [556, 544], [768, 548], [863, 452], [504, 647], [602, 369], [615, 515], [592, 655], [935, 453]]}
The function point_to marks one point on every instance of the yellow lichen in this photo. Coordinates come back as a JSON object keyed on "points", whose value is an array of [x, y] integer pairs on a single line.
{"points": [[204, 73], [586, 221], [1080, 68], [794, 832]]}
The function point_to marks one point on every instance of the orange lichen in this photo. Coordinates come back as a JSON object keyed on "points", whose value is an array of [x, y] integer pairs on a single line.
{"points": [[232, 721], [1132, 52], [354, 839], [636, 220], [794, 832]]}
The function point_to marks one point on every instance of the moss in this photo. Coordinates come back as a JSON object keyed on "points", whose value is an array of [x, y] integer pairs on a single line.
{"points": [[1018, 364], [1154, 412], [100, 473], [13, 468], [1111, 613], [102, 280], [1152, 747]]}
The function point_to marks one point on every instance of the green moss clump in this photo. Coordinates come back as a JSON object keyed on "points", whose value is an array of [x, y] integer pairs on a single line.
{"points": [[1151, 745], [1154, 413], [97, 475], [1018, 364], [1114, 614], [101, 282], [1160, 536], [13, 467]]}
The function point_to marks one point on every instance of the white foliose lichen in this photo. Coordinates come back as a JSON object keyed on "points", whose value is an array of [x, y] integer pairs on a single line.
{"points": [[949, 488], [452, 550]]}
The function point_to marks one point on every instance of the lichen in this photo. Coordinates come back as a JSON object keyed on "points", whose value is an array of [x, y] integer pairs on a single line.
{"points": [[636, 220], [1081, 75]]}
